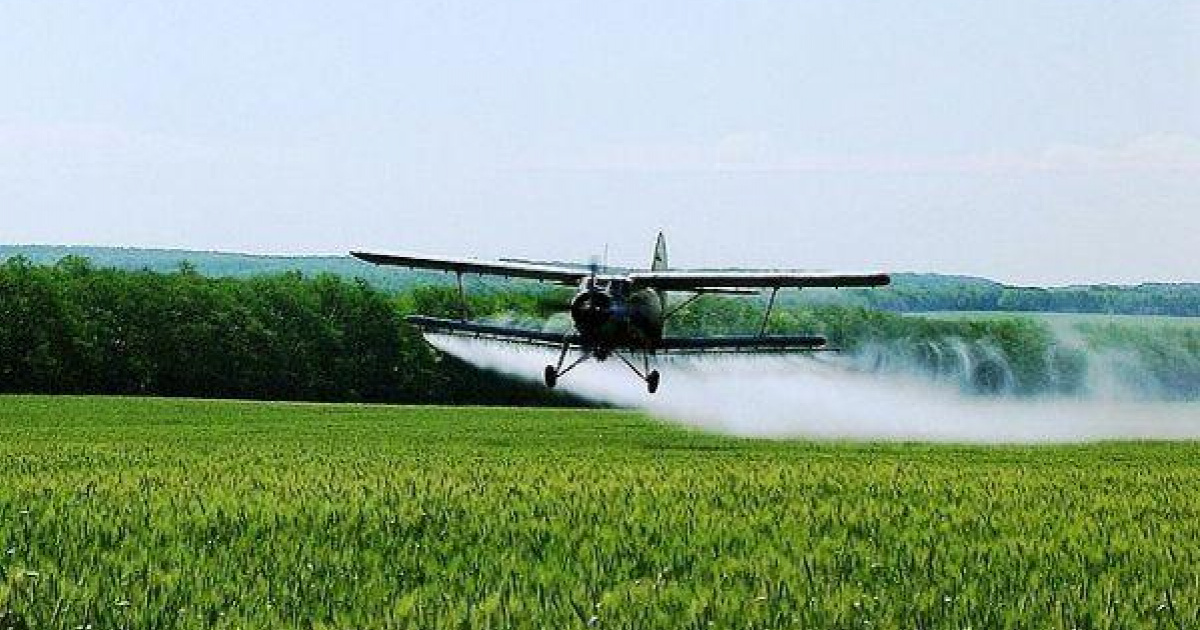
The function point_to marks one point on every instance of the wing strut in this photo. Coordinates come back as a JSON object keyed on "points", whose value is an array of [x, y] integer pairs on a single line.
{"points": [[682, 305], [464, 313], [762, 330]]}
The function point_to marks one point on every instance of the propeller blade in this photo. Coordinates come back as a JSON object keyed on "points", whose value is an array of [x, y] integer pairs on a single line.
{"points": [[594, 266]]}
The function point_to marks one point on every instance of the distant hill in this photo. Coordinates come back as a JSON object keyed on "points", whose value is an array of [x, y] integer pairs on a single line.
{"points": [[908, 293], [222, 264]]}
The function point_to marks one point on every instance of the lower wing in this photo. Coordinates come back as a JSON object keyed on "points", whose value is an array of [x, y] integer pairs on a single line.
{"points": [[494, 332], [744, 343], [761, 344]]}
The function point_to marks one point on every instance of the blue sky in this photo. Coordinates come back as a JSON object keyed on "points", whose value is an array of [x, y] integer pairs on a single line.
{"points": [[1030, 141]]}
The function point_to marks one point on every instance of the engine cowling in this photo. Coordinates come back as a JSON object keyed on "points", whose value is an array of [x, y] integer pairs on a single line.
{"points": [[590, 310]]}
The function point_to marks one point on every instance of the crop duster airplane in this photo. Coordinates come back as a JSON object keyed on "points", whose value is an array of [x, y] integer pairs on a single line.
{"points": [[625, 313]]}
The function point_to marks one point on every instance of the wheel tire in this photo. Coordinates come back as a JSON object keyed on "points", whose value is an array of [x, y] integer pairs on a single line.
{"points": [[551, 376], [652, 381]]}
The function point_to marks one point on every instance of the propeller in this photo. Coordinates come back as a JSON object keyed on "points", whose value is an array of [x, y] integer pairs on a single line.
{"points": [[594, 267], [555, 301]]}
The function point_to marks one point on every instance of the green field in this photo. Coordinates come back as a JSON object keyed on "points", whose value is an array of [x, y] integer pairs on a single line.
{"points": [[150, 513]]}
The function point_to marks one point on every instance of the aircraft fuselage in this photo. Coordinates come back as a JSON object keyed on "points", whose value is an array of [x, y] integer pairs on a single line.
{"points": [[610, 314]]}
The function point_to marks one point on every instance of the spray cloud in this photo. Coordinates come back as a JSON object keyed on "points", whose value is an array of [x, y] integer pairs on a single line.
{"points": [[828, 396]]}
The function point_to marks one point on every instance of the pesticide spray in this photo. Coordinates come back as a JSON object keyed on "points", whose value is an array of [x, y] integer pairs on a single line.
{"points": [[870, 395]]}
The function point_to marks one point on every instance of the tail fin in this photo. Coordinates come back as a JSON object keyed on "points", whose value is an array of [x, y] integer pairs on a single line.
{"points": [[660, 254]]}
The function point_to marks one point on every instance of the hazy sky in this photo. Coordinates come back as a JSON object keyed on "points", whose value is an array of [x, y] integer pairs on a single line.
{"points": [[1028, 141]]}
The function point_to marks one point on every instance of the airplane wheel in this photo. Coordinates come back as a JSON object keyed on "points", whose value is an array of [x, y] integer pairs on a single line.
{"points": [[652, 381], [551, 375]]}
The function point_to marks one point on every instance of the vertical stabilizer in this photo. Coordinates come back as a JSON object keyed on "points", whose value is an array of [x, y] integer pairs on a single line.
{"points": [[660, 254]]}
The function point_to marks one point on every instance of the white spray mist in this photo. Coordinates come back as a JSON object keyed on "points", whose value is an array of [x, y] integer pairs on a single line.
{"points": [[824, 396]]}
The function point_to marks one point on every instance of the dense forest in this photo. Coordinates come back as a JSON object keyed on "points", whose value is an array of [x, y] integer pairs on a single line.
{"points": [[909, 293], [927, 293], [73, 327]]}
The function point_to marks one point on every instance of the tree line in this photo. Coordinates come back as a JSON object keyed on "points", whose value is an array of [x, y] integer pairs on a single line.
{"points": [[927, 293], [908, 293], [72, 327]]}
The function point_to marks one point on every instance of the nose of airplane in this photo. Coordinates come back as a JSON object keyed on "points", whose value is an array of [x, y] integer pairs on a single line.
{"points": [[590, 310]]}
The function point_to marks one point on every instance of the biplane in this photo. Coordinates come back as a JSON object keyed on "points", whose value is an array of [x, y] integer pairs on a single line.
{"points": [[626, 313]]}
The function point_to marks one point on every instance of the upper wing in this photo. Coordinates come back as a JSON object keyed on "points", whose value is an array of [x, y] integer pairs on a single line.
{"points": [[743, 343], [550, 273], [693, 280], [491, 331]]}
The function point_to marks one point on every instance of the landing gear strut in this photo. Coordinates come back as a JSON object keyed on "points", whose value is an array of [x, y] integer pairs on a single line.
{"points": [[651, 377], [552, 372]]}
